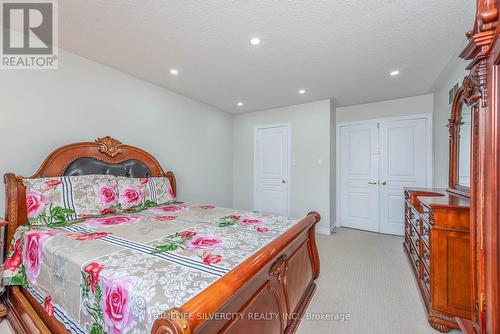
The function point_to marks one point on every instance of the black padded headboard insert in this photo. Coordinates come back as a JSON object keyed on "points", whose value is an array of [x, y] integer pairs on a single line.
{"points": [[88, 166]]}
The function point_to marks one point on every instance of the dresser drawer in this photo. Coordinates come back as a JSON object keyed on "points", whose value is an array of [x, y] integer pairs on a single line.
{"points": [[426, 256], [408, 209], [408, 228], [425, 213], [415, 220], [415, 259], [426, 233], [426, 280], [407, 236], [415, 240], [407, 225], [417, 223]]}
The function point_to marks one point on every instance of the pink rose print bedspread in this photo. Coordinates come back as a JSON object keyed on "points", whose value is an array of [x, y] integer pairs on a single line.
{"points": [[117, 273]]}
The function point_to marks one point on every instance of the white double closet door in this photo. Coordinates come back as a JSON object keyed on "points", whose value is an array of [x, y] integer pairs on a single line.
{"points": [[377, 159]]}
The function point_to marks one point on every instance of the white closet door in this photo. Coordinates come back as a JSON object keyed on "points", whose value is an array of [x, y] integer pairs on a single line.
{"points": [[359, 201], [402, 164]]}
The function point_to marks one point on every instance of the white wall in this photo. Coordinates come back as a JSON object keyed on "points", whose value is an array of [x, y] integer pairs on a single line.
{"points": [[333, 163], [399, 107], [41, 110], [442, 111], [310, 172]]}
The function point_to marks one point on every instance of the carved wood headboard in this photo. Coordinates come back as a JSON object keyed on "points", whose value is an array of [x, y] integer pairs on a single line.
{"points": [[106, 151]]}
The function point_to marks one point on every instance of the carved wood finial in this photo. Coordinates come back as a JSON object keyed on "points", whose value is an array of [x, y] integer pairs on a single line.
{"points": [[109, 146], [472, 89], [487, 15]]}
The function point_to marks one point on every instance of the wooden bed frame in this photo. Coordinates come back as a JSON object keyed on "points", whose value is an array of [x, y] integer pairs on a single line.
{"points": [[268, 293]]}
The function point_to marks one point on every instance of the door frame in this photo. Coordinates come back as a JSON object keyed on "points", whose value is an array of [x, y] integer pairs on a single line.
{"points": [[288, 126], [429, 146]]}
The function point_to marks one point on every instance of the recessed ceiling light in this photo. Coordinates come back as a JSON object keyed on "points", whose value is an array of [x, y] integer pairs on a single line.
{"points": [[174, 71], [240, 104], [255, 41], [394, 73], [302, 91]]}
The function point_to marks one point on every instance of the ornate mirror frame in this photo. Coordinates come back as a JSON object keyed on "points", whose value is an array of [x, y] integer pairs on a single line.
{"points": [[483, 56], [468, 94]]}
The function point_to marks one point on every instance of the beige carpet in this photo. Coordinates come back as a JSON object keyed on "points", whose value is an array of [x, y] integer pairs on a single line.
{"points": [[5, 327], [366, 276]]}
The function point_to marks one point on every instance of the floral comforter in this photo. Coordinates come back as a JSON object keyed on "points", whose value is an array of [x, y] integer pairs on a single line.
{"points": [[118, 273]]}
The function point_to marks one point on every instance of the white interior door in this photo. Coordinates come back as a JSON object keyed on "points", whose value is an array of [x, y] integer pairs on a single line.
{"points": [[359, 201], [272, 153], [403, 154]]}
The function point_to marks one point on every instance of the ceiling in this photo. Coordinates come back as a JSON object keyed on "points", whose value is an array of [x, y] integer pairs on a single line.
{"points": [[332, 48]]}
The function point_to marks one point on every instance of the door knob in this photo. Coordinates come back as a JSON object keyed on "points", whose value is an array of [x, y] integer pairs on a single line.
{"points": [[372, 182], [283, 181], [384, 183]]}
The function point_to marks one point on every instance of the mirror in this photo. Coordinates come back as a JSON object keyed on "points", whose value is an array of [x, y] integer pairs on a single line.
{"points": [[461, 140], [464, 144]]}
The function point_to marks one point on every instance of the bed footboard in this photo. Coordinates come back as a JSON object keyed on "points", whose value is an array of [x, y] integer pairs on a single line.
{"points": [[268, 293]]}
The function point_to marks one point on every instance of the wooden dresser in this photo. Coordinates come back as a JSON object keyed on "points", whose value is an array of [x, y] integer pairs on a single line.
{"points": [[437, 243]]}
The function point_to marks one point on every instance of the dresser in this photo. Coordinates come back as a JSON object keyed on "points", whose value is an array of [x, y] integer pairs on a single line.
{"points": [[437, 243]]}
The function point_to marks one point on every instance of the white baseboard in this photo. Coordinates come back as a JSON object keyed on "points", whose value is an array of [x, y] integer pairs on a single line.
{"points": [[325, 230]]}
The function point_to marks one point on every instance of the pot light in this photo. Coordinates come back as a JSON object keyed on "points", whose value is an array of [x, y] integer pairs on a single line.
{"points": [[239, 104], [255, 41], [302, 91], [174, 71], [394, 73]]}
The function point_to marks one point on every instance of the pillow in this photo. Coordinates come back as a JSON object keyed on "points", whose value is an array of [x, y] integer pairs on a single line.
{"points": [[57, 200], [134, 192]]}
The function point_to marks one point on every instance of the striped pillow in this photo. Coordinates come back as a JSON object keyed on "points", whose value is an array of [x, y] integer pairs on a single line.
{"points": [[57, 200], [133, 192]]}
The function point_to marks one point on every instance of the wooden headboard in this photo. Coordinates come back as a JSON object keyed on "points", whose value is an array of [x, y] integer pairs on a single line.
{"points": [[99, 157]]}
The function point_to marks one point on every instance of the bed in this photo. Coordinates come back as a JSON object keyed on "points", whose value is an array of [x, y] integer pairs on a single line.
{"points": [[266, 291]]}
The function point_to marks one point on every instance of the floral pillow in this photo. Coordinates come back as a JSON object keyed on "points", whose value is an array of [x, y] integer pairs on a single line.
{"points": [[57, 200], [134, 192]]}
